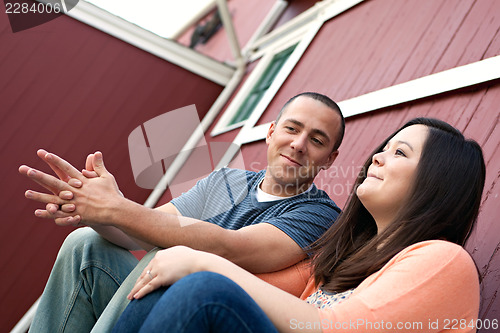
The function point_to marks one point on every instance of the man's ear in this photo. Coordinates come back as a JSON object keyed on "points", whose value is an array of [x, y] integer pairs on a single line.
{"points": [[270, 132], [331, 159]]}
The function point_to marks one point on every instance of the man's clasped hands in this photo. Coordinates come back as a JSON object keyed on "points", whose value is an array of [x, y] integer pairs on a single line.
{"points": [[78, 198]]}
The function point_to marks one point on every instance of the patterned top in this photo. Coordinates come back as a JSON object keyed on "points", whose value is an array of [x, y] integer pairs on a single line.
{"points": [[326, 300]]}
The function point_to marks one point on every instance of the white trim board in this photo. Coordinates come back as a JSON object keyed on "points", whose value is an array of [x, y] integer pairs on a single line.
{"points": [[168, 19], [166, 49], [431, 85]]}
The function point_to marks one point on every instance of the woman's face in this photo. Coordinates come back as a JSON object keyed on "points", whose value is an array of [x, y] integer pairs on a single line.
{"points": [[391, 174]]}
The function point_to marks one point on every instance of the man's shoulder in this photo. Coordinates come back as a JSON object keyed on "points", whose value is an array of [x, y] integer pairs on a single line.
{"points": [[230, 174], [313, 202], [316, 196]]}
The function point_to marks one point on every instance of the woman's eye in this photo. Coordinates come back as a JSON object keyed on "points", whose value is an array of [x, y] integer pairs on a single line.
{"points": [[400, 152]]}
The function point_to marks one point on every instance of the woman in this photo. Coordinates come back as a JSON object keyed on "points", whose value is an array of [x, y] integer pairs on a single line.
{"points": [[393, 261]]}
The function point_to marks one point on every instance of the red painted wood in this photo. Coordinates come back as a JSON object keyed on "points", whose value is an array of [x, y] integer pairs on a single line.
{"points": [[494, 47], [430, 48], [481, 21], [374, 45]]}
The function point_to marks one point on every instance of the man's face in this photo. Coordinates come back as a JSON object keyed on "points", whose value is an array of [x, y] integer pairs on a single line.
{"points": [[300, 145]]}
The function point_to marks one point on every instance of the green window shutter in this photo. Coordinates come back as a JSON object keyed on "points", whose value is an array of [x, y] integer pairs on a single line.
{"points": [[260, 88]]}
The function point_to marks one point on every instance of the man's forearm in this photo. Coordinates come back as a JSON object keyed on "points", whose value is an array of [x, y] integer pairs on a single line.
{"points": [[118, 237], [161, 229], [246, 247], [127, 241]]}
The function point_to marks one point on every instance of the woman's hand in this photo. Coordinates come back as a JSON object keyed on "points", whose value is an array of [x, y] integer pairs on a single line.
{"points": [[174, 263], [167, 267]]}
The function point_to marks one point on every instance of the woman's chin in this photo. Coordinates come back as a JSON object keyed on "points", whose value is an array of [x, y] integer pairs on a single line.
{"points": [[361, 190]]}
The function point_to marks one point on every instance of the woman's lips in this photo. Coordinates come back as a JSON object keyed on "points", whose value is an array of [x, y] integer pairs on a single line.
{"points": [[372, 175]]}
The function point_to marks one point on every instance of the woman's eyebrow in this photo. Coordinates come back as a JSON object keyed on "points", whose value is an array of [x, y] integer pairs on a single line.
{"points": [[406, 143], [400, 142]]}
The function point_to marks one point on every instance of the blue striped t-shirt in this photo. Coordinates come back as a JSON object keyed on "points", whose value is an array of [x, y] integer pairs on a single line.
{"points": [[227, 197]]}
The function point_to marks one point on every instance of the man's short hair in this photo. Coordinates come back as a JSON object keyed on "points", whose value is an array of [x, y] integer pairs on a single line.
{"points": [[326, 101]]}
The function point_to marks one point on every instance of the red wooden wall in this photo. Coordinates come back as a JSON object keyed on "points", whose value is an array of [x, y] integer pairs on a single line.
{"points": [[374, 45], [70, 89]]}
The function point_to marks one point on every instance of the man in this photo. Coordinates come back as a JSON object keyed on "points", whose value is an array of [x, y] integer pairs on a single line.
{"points": [[261, 221]]}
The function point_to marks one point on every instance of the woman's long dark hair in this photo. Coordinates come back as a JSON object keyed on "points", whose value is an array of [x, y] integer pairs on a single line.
{"points": [[443, 204]]}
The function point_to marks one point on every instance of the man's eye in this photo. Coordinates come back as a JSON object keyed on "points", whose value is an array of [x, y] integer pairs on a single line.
{"points": [[317, 141], [289, 128]]}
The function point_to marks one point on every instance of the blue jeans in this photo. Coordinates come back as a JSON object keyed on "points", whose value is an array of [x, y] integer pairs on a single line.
{"points": [[87, 273], [200, 302]]}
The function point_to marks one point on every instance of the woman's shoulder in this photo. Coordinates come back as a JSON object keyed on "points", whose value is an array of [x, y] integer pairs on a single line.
{"points": [[438, 248], [424, 271], [435, 255]]}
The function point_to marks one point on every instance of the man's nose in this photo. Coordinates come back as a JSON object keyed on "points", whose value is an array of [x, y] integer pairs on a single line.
{"points": [[299, 143]]}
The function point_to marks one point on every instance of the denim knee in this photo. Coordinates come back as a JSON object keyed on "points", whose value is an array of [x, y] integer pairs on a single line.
{"points": [[84, 247], [205, 302], [79, 237], [203, 281], [74, 243]]}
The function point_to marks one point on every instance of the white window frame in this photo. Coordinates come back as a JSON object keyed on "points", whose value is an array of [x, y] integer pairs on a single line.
{"points": [[302, 41], [300, 30]]}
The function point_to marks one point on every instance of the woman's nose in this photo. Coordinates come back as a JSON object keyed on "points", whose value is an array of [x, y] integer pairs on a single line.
{"points": [[378, 158]]}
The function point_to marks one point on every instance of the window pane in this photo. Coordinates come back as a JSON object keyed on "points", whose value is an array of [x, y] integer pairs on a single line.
{"points": [[247, 107], [262, 85]]}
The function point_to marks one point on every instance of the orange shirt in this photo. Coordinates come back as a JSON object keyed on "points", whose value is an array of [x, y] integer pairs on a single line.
{"points": [[431, 286]]}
